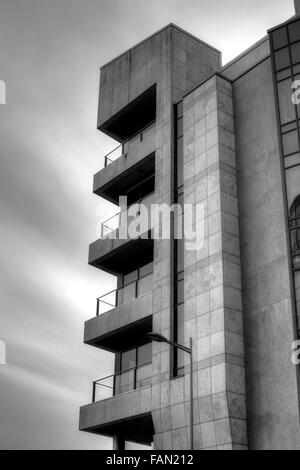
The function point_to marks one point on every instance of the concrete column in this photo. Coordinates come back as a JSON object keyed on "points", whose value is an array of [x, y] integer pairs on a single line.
{"points": [[118, 443], [213, 301]]}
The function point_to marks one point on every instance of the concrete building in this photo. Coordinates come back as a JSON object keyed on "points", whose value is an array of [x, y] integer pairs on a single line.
{"points": [[227, 137]]}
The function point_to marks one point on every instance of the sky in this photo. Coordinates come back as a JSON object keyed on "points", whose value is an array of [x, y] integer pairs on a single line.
{"points": [[50, 55]]}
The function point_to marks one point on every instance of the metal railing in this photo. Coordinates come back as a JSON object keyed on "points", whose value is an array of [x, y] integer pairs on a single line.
{"points": [[113, 223], [122, 382], [124, 294], [119, 151]]}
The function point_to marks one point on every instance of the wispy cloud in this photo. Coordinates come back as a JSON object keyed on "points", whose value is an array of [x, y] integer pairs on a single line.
{"points": [[50, 56]]}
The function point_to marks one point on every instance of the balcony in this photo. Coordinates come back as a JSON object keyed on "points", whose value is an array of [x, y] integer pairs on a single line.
{"points": [[122, 382], [127, 164], [118, 329], [128, 415], [115, 249], [122, 315], [113, 224]]}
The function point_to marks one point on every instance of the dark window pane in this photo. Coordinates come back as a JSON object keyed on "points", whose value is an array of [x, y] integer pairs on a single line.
{"points": [[295, 230], [284, 74], [296, 53], [146, 269], [128, 359], [289, 127], [287, 109], [141, 190], [294, 31], [296, 69], [180, 334], [290, 142], [126, 381], [280, 38], [144, 376], [180, 254], [148, 187], [144, 354], [145, 284], [282, 59], [180, 292], [129, 292], [180, 109], [292, 160], [180, 162], [128, 278]]}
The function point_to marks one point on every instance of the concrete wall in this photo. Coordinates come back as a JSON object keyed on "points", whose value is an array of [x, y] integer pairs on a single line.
{"points": [[297, 7], [272, 396], [132, 73], [212, 315], [248, 59]]}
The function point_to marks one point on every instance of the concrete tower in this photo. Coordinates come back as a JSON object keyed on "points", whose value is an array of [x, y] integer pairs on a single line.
{"points": [[193, 132]]}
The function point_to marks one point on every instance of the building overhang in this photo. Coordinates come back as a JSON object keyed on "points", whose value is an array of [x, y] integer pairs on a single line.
{"points": [[127, 415], [120, 175], [116, 256], [119, 328]]}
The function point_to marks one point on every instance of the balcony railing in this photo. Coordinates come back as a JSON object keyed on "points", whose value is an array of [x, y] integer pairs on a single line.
{"points": [[124, 294], [113, 223], [122, 382], [120, 150]]}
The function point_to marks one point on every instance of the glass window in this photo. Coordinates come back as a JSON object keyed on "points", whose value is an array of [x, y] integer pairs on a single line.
{"points": [[283, 74], [146, 269], [294, 31], [290, 142], [295, 228], [128, 278], [180, 337], [296, 53], [129, 292], [145, 284], [128, 359], [296, 69], [292, 160], [289, 127], [180, 254], [280, 38], [180, 292], [287, 109], [144, 376], [282, 59], [144, 354], [126, 380]]}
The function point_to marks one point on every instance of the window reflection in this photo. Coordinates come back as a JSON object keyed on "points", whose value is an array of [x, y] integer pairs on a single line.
{"points": [[135, 369]]}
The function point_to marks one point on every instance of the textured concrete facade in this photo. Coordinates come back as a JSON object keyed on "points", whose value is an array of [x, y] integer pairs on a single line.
{"points": [[238, 291]]}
